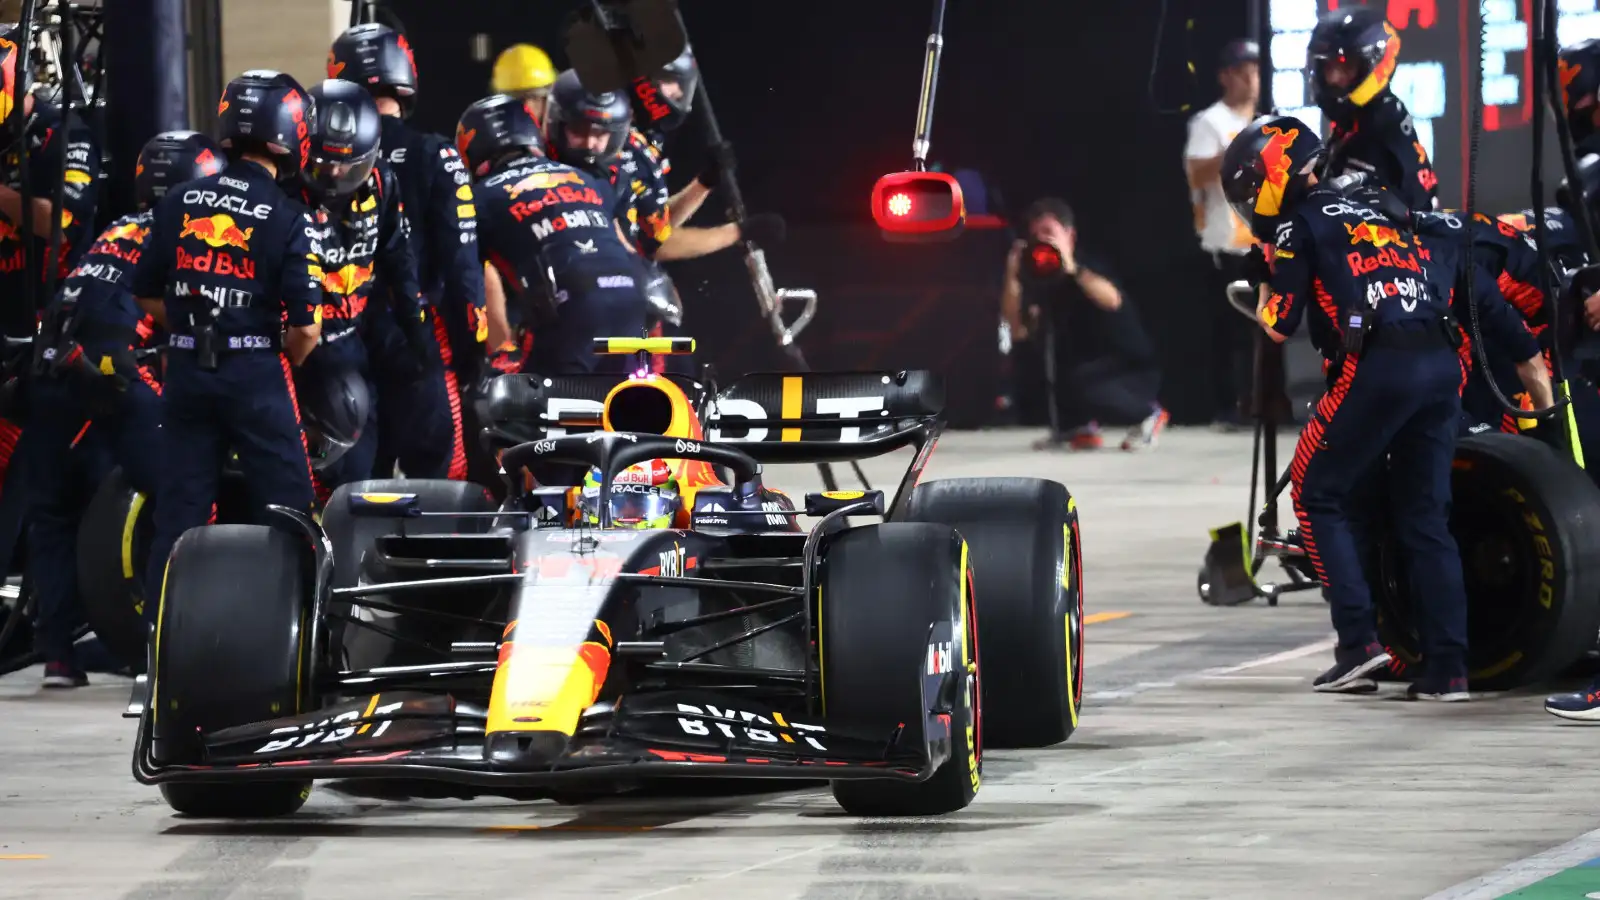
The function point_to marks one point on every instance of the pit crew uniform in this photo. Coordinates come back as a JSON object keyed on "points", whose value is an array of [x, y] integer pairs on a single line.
{"points": [[97, 409], [235, 259], [366, 255], [420, 420], [548, 229], [79, 181]]}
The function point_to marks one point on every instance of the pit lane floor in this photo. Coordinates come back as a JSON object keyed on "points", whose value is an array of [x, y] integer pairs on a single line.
{"points": [[1205, 767]]}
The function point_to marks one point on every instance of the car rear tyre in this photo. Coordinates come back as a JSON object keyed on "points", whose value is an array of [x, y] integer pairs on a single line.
{"points": [[1027, 570], [1524, 518], [354, 536], [230, 649], [113, 548], [880, 588]]}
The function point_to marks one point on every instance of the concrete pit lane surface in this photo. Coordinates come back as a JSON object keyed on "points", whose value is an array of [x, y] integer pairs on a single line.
{"points": [[1204, 767]]}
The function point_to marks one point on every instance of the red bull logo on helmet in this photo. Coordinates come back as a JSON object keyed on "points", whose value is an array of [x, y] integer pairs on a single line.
{"points": [[218, 231], [1276, 163]]}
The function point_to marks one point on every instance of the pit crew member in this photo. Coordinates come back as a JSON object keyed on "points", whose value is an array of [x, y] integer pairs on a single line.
{"points": [[1395, 380], [96, 407], [366, 256], [420, 420], [230, 269], [555, 250], [1350, 60], [48, 127]]}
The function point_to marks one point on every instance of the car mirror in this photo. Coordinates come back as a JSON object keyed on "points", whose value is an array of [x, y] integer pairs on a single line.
{"points": [[825, 502]]}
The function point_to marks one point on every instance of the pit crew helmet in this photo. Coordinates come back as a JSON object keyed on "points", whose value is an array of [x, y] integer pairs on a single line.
{"points": [[271, 111], [344, 142], [335, 408], [572, 109], [1579, 65], [643, 497], [1359, 35], [524, 71], [170, 159], [495, 127], [379, 59], [1266, 168], [683, 74]]}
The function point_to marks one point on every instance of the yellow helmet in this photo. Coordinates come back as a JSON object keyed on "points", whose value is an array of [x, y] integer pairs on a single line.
{"points": [[522, 68]]}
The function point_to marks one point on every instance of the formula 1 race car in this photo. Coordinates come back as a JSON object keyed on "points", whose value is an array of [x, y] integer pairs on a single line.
{"points": [[562, 642]]}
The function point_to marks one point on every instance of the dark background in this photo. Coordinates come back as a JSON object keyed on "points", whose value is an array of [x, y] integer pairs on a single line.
{"points": [[820, 99]]}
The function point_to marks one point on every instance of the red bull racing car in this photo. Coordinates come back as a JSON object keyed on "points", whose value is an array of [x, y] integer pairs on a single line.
{"points": [[641, 605]]}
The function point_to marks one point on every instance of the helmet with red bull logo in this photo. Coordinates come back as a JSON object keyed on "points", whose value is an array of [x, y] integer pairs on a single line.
{"points": [[379, 59], [1267, 168], [345, 139], [172, 158], [1359, 38], [586, 130], [497, 128], [267, 111], [675, 86], [1579, 68], [642, 497]]}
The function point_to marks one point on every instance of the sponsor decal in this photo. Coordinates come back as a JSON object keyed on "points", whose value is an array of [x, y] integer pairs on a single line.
{"points": [[741, 723]]}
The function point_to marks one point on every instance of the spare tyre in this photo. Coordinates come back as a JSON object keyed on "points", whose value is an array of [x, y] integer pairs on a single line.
{"points": [[113, 548], [1527, 522]]}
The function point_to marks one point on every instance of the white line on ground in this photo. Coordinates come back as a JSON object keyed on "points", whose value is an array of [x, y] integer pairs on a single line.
{"points": [[1298, 652], [1523, 872]]}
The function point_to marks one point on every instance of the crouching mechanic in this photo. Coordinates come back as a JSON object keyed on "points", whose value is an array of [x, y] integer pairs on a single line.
{"points": [[365, 254], [230, 270], [555, 250], [1395, 382], [94, 407]]}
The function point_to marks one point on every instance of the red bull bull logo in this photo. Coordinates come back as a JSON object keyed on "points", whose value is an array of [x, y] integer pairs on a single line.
{"points": [[346, 280], [217, 231], [9, 232], [543, 181], [1376, 235], [129, 232], [1276, 163]]}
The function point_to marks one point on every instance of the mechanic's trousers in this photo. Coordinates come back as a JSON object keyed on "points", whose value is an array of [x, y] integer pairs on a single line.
{"points": [[69, 455], [419, 418], [247, 406], [1406, 403], [566, 346]]}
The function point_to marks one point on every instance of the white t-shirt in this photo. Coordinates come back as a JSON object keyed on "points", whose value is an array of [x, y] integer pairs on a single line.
{"points": [[1210, 133]]}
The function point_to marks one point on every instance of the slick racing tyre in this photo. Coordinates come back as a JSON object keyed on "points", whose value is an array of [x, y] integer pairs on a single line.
{"points": [[113, 548], [1027, 571], [1525, 519], [230, 649], [880, 587], [353, 537]]}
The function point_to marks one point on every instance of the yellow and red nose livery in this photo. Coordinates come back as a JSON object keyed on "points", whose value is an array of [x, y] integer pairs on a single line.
{"points": [[218, 231], [547, 687]]}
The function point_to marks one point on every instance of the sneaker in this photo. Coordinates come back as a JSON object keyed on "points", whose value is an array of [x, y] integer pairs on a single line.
{"points": [[1085, 438], [63, 675], [1583, 706], [1442, 690], [1352, 670], [1143, 435]]}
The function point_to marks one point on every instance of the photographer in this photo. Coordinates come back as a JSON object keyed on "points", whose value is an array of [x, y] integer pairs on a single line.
{"points": [[1099, 364]]}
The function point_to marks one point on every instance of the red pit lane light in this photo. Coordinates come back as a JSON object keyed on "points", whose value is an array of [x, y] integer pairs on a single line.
{"points": [[918, 206]]}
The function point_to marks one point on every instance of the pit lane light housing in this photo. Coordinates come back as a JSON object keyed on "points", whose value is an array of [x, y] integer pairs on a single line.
{"points": [[918, 206]]}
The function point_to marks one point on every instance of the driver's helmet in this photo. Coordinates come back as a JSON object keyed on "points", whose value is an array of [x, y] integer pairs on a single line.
{"points": [[644, 496]]}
